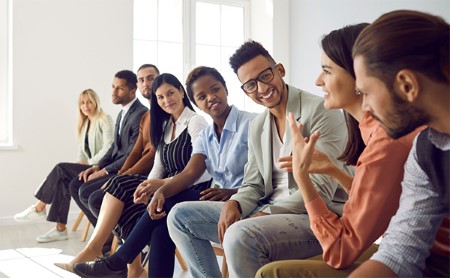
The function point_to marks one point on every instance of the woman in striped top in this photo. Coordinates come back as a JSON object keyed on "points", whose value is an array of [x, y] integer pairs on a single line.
{"points": [[174, 128]]}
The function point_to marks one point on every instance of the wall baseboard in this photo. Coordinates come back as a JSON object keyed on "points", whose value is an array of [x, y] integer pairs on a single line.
{"points": [[8, 221]]}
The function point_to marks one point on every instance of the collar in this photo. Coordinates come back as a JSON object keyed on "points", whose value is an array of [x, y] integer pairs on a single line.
{"points": [[126, 107], [185, 116]]}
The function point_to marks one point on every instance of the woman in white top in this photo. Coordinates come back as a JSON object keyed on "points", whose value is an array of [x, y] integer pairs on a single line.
{"points": [[95, 136]]}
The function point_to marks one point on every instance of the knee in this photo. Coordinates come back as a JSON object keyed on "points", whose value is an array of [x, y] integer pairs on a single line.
{"points": [[174, 218], [239, 237], [268, 270], [74, 187], [84, 194], [95, 203]]}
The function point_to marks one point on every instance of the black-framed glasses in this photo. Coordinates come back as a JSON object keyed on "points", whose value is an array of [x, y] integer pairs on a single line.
{"points": [[265, 77]]}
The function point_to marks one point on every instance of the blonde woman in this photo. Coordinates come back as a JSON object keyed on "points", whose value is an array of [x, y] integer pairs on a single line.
{"points": [[95, 136]]}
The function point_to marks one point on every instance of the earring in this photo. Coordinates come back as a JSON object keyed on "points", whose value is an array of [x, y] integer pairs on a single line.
{"points": [[358, 93]]}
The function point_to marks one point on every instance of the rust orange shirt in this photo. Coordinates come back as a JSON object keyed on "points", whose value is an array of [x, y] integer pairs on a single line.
{"points": [[373, 197]]}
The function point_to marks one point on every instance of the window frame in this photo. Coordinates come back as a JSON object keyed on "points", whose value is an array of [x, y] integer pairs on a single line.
{"points": [[189, 38], [6, 73]]}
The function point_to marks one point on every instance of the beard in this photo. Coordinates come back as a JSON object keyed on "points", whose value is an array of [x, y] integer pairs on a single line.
{"points": [[403, 118]]}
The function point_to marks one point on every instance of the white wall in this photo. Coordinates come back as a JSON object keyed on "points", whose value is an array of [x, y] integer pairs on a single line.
{"points": [[60, 47], [310, 20], [64, 46]]}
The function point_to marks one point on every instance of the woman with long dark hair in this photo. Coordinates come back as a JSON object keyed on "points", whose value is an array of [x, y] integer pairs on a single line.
{"points": [[174, 128], [374, 191]]}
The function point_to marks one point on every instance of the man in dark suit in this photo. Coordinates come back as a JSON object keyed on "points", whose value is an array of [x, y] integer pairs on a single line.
{"points": [[126, 133]]}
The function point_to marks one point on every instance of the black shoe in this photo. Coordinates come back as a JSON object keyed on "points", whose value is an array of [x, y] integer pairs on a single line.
{"points": [[98, 268]]}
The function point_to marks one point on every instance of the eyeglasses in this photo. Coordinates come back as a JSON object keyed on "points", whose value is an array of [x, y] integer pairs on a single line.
{"points": [[265, 77]]}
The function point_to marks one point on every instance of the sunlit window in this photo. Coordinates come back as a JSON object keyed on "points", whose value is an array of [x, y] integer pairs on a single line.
{"points": [[179, 35], [5, 74]]}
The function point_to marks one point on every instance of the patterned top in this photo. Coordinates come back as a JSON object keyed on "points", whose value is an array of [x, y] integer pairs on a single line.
{"points": [[176, 154], [189, 122], [412, 230]]}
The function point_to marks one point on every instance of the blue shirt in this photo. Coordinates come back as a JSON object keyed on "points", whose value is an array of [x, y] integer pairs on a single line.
{"points": [[225, 160], [412, 230]]}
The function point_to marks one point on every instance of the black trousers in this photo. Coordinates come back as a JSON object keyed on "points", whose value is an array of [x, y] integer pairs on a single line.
{"points": [[87, 195], [55, 190]]}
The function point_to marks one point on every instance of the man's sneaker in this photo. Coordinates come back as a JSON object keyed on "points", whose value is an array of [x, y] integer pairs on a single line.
{"points": [[30, 214], [53, 235]]}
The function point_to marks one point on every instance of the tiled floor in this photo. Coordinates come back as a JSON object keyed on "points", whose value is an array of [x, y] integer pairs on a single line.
{"points": [[22, 256]]}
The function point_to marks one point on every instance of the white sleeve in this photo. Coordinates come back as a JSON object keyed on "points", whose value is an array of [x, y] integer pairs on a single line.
{"points": [[158, 171]]}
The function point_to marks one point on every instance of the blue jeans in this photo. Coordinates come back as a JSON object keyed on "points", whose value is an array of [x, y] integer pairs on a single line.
{"points": [[249, 244]]}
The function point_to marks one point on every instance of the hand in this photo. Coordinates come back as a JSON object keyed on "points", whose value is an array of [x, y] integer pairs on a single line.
{"points": [[97, 174], [302, 149], [228, 215], [217, 194], [83, 162], [83, 175], [155, 208], [146, 189], [286, 163], [320, 164], [259, 213]]}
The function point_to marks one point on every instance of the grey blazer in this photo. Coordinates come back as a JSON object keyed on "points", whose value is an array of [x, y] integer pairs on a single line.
{"points": [[100, 138], [257, 185], [123, 143]]}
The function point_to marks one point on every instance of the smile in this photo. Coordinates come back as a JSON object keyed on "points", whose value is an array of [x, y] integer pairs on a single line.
{"points": [[266, 96]]}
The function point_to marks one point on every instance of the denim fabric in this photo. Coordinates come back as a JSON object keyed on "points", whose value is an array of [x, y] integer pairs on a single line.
{"points": [[248, 244]]}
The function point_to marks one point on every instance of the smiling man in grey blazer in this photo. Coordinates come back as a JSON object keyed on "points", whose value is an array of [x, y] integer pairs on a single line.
{"points": [[126, 133], [275, 225]]}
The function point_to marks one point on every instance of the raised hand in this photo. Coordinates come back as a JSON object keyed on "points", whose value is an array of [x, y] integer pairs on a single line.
{"points": [[302, 150]]}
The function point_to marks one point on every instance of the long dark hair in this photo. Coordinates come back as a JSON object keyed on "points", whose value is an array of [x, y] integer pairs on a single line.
{"points": [[338, 46], [157, 115]]}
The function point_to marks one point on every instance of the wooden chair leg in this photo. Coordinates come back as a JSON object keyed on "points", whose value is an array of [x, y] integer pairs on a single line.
{"points": [[114, 245], [224, 267], [86, 230], [78, 221], [218, 251], [181, 260]]}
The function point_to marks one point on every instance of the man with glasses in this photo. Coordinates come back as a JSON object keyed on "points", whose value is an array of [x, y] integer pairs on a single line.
{"points": [[276, 225]]}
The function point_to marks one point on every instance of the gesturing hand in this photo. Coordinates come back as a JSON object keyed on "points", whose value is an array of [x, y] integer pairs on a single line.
{"points": [[302, 149]]}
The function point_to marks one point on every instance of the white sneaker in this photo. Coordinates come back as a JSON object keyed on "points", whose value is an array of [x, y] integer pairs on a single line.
{"points": [[53, 235], [30, 214]]}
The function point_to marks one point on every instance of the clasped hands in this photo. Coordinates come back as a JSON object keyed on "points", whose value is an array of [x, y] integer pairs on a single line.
{"points": [[91, 173]]}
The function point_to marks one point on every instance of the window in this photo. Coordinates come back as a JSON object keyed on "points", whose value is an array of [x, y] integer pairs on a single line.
{"points": [[179, 35], [5, 74]]}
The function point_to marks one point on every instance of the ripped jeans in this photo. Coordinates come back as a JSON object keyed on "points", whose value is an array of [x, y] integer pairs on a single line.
{"points": [[249, 244]]}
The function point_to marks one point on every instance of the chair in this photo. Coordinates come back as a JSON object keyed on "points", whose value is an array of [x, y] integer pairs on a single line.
{"points": [[218, 251], [86, 226]]}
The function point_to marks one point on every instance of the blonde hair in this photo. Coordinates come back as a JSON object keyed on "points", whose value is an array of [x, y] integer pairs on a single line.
{"points": [[99, 115]]}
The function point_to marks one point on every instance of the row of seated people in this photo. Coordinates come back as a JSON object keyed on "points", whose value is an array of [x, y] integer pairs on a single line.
{"points": [[300, 197]]}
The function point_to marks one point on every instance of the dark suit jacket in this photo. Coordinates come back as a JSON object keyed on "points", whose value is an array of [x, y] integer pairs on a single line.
{"points": [[123, 143]]}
